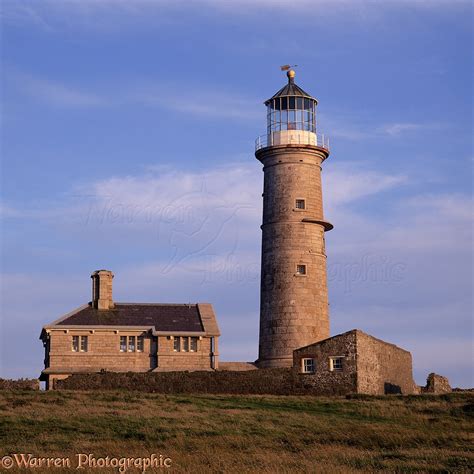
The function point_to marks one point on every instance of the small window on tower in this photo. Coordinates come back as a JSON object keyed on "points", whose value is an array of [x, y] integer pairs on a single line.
{"points": [[301, 269], [300, 204]]}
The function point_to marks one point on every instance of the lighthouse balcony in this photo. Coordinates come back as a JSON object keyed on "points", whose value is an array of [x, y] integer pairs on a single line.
{"points": [[291, 137]]}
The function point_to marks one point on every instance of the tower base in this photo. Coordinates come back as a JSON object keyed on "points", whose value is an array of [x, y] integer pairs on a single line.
{"points": [[281, 362]]}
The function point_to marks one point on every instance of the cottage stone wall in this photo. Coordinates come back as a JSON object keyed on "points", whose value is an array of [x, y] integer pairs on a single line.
{"points": [[293, 308], [103, 353], [168, 360], [382, 367], [324, 381]]}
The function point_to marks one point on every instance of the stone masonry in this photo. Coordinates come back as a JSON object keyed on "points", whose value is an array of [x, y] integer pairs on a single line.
{"points": [[102, 289], [367, 365], [293, 307], [436, 384]]}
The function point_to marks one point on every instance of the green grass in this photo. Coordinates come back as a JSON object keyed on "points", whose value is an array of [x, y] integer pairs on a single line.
{"points": [[239, 434]]}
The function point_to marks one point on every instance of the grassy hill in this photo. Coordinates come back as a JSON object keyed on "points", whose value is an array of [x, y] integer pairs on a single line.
{"points": [[238, 434]]}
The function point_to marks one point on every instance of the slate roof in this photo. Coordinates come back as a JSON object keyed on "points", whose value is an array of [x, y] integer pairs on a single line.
{"points": [[163, 317]]}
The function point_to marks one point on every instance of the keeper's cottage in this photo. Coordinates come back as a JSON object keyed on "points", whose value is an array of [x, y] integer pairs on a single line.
{"points": [[122, 337]]}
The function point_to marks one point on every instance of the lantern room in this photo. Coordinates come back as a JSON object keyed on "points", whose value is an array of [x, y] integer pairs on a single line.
{"points": [[291, 118], [291, 108]]}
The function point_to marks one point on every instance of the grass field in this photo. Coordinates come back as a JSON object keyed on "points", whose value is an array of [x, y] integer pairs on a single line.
{"points": [[238, 434]]}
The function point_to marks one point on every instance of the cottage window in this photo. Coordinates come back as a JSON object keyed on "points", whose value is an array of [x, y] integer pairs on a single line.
{"points": [[84, 340], [308, 366], [300, 204], [131, 343], [79, 344], [123, 343], [186, 344], [335, 364], [194, 344], [177, 344], [75, 343], [301, 269]]}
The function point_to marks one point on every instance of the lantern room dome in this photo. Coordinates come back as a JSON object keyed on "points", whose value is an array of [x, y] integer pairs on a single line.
{"points": [[290, 90]]}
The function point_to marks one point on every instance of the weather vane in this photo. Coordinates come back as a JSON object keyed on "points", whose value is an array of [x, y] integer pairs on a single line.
{"points": [[286, 67]]}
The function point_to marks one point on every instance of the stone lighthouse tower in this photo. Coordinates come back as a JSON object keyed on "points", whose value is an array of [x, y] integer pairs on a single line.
{"points": [[293, 295]]}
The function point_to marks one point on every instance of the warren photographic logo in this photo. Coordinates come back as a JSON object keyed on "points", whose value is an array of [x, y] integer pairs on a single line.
{"points": [[368, 269], [86, 461]]}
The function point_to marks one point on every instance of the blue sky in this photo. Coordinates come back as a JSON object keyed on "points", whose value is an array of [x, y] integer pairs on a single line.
{"points": [[127, 142]]}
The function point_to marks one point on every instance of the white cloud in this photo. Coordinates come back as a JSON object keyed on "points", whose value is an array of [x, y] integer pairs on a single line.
{"points": [[202, 102], [350, 182], [9, 211], [197, 100], [115, 15], [397, 129], [344, 128], [56, 93]]}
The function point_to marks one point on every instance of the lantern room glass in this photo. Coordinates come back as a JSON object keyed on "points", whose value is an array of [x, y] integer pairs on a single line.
{"points": [[291, 113]]}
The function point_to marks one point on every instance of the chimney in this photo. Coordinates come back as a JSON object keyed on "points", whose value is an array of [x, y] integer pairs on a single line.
{"points": [[102, 289]]}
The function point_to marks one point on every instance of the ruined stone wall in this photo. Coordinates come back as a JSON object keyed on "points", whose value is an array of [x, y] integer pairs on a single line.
{"points": [[382, 367], [436, 384], [20, 384], [323, 380], [293, 308]]}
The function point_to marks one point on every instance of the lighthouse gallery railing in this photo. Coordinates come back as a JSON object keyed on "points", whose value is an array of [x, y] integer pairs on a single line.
{"points": [[292, 138]]}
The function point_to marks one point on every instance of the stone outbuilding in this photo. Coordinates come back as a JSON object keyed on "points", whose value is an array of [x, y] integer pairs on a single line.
{"points": [[354, 362], [123, 337]]}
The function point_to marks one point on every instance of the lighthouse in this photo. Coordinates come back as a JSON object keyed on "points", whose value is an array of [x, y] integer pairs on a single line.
{"points": [[293, 290]]}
